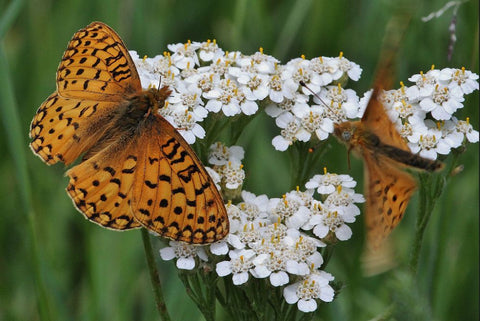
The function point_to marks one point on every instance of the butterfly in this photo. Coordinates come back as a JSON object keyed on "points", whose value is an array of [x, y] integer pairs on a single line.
{"points": [[388, 188], [136, 169]]}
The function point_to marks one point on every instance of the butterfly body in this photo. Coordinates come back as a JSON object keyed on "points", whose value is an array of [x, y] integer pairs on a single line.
{"points": [[362, 140], [388, 188], [136, 169]]}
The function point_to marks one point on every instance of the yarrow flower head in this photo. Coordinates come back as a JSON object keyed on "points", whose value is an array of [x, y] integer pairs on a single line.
{"points": [[280, 240]]}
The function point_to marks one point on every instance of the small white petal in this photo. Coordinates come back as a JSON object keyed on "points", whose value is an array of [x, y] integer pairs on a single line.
{"points": [[240, 278], [219, 248], [309, 305], [280, 143], [290, 293], [167, 253], [261, 271], [279, 278], [186, 263], [343, 233], [223, 268]]}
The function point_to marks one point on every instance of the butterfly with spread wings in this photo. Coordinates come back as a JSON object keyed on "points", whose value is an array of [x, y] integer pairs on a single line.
{"points": [[136, 169]]}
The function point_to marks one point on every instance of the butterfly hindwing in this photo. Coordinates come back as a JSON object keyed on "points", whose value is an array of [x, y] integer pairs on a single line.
{"points": [[388, 191], [101, 186], [173, 193]]}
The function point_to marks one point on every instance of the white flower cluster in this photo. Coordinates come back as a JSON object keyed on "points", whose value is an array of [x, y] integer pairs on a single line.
{"points": [[423, 112], [296, 117], [279, 238], [206, 79]]}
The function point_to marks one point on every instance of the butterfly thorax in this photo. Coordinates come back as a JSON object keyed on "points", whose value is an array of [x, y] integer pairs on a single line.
{"points": [[147, 103]]}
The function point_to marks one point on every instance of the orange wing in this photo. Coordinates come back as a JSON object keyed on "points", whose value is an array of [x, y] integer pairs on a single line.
{"points": [[377, 121], [101, 187], [153, 178], [173, 194], [94, 77], [97, 66], [388, 191]]}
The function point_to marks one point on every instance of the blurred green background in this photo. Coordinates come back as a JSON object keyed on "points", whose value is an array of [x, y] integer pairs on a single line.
{"points": [[89, 273]]}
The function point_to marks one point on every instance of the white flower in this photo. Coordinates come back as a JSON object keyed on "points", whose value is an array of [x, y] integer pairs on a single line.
{"points": [[427, 141], [307, 291], [291, 131], [424, 84], [287, 105], [210, 51], [185, 254], [443, 102], [272, 265], [184, 54], [328, 183], [279, 90], [298, 70], [352, 69], [233, 175], [254, 208], [313, 120], [261, 63], [222, 97], [255, 85], [330, 221], [239, 266], [219, 154], [465, 79], [340, 103], [187, 124], [327, 68], [464, 126], [343, 201], [291, 210]]}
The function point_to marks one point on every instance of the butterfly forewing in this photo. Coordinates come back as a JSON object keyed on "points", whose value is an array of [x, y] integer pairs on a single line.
{"points": [[174, 196], [64, 128], [377, 121], [97, 66], [95, 75]]}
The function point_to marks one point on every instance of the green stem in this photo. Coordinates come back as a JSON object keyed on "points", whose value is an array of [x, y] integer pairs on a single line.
{"points": [[154, 278], [430, 191], [422, 209]]}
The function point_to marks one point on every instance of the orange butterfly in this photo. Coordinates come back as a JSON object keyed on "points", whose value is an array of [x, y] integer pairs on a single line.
{"points": [[388, 188], [136, 169]]}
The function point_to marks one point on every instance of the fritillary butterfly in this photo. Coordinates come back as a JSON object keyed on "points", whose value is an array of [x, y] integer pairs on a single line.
{"points": [[136, 169], [388, 188]]}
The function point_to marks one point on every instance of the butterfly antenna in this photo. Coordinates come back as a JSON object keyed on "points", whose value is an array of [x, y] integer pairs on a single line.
{"points": [[159, 83], [303, 84]]}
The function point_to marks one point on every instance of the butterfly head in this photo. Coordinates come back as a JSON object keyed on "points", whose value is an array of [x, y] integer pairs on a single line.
{"points": [[344, 132], [157, 97]]}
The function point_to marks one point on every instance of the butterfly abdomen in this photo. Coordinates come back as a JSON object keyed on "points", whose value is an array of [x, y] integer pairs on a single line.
{"points": [[408, 158]]}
